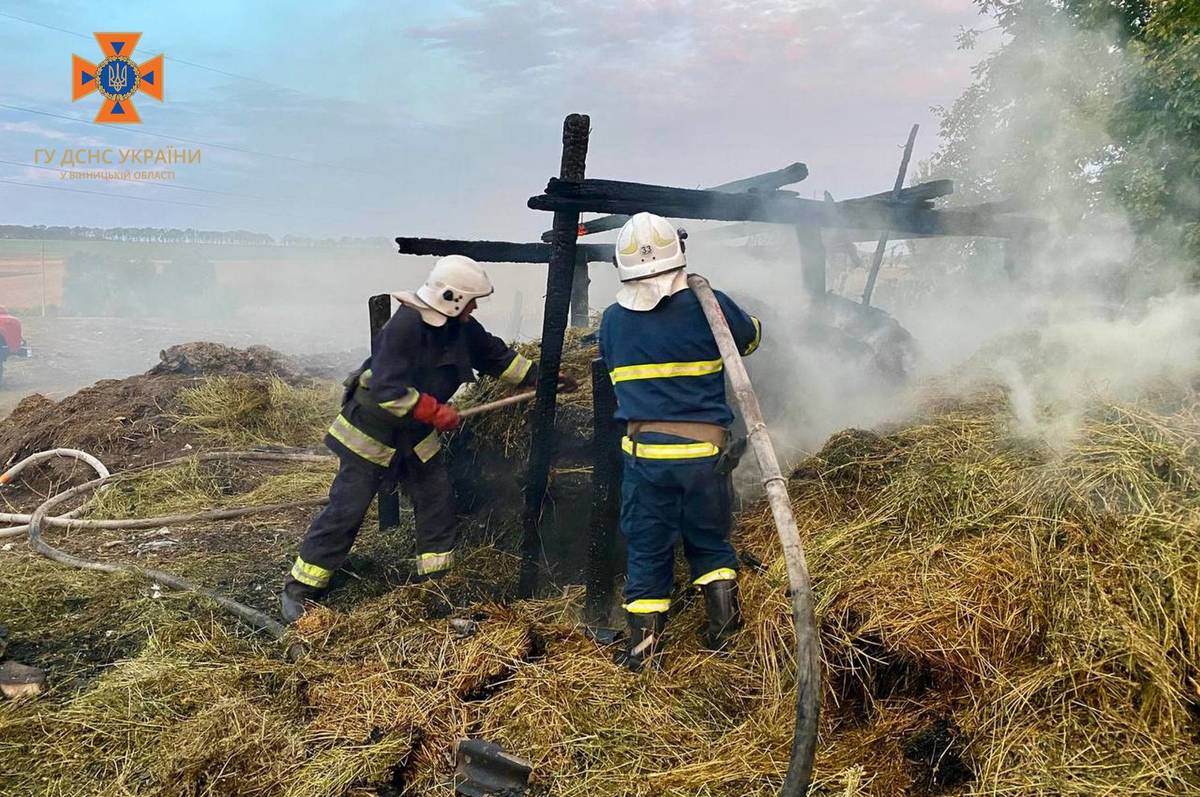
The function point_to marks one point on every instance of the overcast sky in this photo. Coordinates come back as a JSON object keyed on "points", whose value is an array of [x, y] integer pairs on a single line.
{"points": [[431, 118]]}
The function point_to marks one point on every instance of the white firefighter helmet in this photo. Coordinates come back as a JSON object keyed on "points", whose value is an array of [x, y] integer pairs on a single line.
{"points": [[452, 283], [650, 261]]}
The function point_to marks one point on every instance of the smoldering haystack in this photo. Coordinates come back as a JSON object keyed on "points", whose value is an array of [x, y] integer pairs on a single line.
{"points": [[996, 618]]}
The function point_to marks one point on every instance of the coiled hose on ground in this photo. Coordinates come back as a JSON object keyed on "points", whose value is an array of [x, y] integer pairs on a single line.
{"points": [[33, 459], [34, 523]]}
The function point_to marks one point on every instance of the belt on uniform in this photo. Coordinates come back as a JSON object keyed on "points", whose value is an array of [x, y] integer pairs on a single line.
{"points": [[691, 430]]}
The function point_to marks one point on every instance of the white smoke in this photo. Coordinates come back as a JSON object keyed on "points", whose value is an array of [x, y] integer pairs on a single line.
{"points": [[1081, 319]]}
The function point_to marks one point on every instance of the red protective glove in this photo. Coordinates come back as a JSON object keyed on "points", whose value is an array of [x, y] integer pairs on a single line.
{"points": [[440, 416]]}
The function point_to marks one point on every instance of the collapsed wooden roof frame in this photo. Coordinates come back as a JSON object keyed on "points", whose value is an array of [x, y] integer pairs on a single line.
{"points": [[900, 213]]}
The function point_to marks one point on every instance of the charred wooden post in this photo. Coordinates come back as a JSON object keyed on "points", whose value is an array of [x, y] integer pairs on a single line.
{"points": [[579, 291], [380, 309], [877, 260], [606, 498], [559, 277], [812, 259]]}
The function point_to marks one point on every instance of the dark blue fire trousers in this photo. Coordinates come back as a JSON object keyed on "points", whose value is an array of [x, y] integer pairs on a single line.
{"points": [[671, 490]]}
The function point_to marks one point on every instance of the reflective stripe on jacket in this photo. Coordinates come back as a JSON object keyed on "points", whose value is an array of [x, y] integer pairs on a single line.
{"points": [[664, 363], [410, 357]]}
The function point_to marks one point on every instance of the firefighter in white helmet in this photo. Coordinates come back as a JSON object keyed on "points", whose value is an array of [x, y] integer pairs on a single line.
{"points": [[392, 413], [668, 377]]}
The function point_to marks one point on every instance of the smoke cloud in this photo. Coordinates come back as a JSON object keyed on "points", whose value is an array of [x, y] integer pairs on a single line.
{"points": [[1085, 317]]}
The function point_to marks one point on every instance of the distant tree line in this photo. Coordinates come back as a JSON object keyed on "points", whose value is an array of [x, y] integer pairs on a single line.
{"points": [[174, 235]]}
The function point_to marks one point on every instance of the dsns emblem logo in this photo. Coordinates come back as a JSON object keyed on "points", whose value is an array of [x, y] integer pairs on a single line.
{"points": [[117, 77]]}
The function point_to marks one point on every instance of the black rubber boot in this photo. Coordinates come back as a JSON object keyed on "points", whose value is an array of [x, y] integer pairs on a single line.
{"points": [[724, 612], [645, 644], [293, 600]]}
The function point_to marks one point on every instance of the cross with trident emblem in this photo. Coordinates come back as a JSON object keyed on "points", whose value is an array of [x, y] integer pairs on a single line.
{"points": [[117, 78]]}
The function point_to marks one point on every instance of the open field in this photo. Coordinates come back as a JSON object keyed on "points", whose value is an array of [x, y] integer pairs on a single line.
{"points": [[70, 353]]}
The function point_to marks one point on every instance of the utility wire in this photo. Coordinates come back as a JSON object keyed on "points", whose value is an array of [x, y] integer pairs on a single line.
{"points": [[77, 120], [168, 57], [107, 194], [154, 183], [259, 209]]}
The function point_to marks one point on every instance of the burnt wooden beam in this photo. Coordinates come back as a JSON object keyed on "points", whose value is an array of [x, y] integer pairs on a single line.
{"points": [[496, 251], [921, 192], [881, 246], [613, 196], [606, 497], [999, 206], [767, 181], [559, 277], [379, 309], [812, 259]]}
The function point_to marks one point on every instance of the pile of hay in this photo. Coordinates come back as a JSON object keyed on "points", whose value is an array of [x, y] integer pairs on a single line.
{"points": [[507, 430], [996, 617], [242, 411]]}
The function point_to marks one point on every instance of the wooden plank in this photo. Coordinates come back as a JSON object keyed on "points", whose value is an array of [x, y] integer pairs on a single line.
{"points": [[921, 192], [602, 562]]}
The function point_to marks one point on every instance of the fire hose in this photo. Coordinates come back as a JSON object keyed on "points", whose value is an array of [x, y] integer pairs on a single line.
{"points": [[41, 456], [34, 524], [808, 654]]}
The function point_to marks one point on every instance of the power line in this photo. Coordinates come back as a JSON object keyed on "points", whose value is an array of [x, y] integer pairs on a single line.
{"points": [[108, 195], [184, 140], [288, 213], [168, 57], [142, 182]]}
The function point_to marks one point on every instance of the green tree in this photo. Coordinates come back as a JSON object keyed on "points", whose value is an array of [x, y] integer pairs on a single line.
{"points": [[1088, 112]]}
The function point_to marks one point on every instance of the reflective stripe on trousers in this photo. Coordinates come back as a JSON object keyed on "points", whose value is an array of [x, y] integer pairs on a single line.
{"points": [[647, 605], [668, 450], [311, 575], [434, 562], [720, 574]]}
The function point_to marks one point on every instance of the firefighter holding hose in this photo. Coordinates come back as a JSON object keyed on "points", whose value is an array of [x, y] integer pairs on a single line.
{"points": [[668, 376], [392, 413]]}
